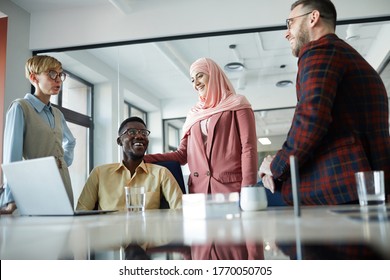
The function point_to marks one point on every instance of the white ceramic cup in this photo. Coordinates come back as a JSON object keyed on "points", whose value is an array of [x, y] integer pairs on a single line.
{"points": [[253, 198]]}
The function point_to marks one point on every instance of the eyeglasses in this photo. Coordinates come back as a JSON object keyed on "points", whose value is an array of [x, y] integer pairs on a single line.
{"points": [[133, 132], [53, 75], [290, 20]]}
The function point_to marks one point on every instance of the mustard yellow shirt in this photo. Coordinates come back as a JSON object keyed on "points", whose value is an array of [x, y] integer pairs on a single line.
{"points": [[105, 186]]}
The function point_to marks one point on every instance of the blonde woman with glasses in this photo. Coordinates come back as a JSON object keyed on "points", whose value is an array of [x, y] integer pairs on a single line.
{"points": [[34, 128]]}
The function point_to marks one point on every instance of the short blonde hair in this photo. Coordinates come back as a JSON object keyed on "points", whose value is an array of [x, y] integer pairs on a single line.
{"points": [[41, 63]]}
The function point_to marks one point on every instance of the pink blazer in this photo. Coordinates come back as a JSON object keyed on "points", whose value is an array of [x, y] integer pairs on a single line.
{"points": [[230, 158]]}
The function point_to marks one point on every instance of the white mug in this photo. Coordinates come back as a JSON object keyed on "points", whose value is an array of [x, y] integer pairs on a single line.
{"points": [[253, 198]]}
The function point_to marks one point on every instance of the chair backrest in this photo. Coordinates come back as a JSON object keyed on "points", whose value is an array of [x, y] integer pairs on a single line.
{"points": [[176, 171]]}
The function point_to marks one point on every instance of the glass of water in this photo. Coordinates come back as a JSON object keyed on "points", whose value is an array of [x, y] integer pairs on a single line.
{"points": [[135, 198], [371, 187]]}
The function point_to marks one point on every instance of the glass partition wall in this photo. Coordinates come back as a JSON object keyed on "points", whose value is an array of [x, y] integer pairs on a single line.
{"points": [[153, 75]]}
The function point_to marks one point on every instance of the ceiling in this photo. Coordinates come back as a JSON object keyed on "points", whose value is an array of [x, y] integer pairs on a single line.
{"points": [[160, 69]]}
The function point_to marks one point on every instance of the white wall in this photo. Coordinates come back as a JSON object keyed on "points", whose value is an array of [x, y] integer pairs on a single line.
{"points": [[380, 51], [105, 124]]}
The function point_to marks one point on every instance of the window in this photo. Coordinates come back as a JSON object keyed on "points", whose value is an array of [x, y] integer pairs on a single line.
{"points": [[173, 137], [172, 133], [75, 102], [132, 111]]}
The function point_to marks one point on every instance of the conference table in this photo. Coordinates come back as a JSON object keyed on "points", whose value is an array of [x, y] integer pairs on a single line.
{"points": [[320, 232]]}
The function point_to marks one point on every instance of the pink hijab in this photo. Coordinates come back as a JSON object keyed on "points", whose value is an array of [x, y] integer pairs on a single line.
{"points": [[220, 95]]}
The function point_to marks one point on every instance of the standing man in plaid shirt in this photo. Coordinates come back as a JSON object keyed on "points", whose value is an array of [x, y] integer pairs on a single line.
{"points": [[341, 120]]}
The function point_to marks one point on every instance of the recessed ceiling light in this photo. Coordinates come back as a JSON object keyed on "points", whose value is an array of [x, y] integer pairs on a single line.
{"points": [[265, 141], [234, 67], [284, 83]]}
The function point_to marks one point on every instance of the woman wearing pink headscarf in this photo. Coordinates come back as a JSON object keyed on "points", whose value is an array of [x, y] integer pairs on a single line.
{"points": [[219, 135]]}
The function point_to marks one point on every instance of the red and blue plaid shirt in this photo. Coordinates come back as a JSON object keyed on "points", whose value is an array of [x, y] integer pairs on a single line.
{"points": [[340, 125]]}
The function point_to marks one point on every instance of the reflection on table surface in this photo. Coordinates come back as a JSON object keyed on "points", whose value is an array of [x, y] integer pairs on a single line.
{"points": [[322, 232]]}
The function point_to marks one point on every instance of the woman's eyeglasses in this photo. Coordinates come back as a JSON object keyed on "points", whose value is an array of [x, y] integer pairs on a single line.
{"points": [[53, 75]]}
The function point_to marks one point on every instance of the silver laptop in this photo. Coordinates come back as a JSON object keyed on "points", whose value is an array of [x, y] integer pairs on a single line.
{"points": [[38, 188]]}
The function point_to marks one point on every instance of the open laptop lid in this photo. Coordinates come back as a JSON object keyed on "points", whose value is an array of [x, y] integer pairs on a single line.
{"points": [[38, 188]]}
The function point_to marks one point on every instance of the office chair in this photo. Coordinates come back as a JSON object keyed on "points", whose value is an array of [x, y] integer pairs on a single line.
{"points": [[176, 171]]}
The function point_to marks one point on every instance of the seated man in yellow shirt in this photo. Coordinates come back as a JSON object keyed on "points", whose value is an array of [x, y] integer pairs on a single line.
{"points": [[105, 185]]}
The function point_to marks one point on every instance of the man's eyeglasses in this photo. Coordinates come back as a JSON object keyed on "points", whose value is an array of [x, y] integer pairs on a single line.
{"points": [[290, 20], [53, 75], [133, 132]]}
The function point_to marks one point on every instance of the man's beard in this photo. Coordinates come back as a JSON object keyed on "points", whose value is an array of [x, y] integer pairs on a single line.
{"points": [[301, 39]]}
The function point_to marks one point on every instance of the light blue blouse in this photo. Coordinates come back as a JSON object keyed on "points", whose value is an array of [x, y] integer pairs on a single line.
{"points": [[13, 136]]}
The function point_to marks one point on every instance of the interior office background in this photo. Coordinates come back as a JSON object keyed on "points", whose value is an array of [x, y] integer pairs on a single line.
{"points": [[94, 23]]}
